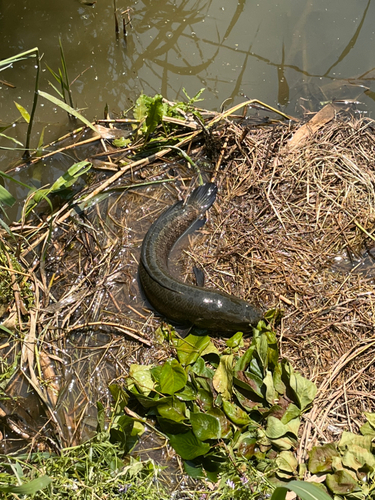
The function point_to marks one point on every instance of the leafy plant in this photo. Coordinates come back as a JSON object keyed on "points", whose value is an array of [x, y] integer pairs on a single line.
{"points": [[252, 403]]}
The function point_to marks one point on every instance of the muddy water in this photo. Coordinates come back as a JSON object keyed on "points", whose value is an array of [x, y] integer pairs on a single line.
{"points": [[288, 53]]}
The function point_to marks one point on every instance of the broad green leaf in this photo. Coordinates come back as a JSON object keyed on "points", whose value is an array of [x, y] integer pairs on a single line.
{"points": [[205, 426], [286, 461], [193, 470], [275, 428], [341, 483], [154, 114], [277, 380], [24, 113], [172, 427], [188, 446], [223, 378], [141, 376], [67, 108], [225, 425], [303, 388], [172, 377], [190, 348], [246, 447], [270, 389], [235, 341], [370, 418], [243, 362], [358, 455], [249, 382], [175, 411], [348, 439], [367, 430], [284, 443], [235, 413], [187, 394], [320, 459], [305, 491], [205, 399], [201, 369], [28, 488], [141, 107], [291, 413], [6, 198]]}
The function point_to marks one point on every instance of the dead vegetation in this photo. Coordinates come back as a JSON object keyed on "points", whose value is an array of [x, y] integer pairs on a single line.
{"points": [[291, 230]]}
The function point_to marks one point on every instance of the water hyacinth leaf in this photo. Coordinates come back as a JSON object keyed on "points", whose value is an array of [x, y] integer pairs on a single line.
{"points": [[320, 459], [141, 376], [175, 411], [370, 419], [205, 426], [188, 446], [223, 378], [277, 380], [304, 490], [190, 348], [24, 113], [255, 368], [236, 414], [148, 402], [358, 455], [28, 488], [262, 350], [284, 443], [67, 108], [341, 483], [275, 428], [172, 377], [6, 198], [235, 341], [119, 395]]}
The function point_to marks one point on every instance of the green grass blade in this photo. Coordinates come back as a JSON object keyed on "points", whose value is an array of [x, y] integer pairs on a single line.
{"points": [[9, 178], [24, 113], [68, 109], [28, 488], [19, 57], [11, 139], [6, 198]]}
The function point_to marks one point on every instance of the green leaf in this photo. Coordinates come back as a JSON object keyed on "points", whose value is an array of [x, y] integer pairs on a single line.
{"points": [[225, 425], [262, 349], [341, 482], [68, 109], [141, 376], [306, 491], [270, 389], [24, 113], [275, 428], [172, 377], [188, 446], [175, 411], [223, 378], [243, 362], [205, 426], [235, 413], [235, 341], [154, 114], [286, 461], [304, 389], [70, 176], [28, 488], [249, 382], [348, 439], [190, 348], [193, 471], [187, 394], [201, 369], [320, 459], [291, 413]]}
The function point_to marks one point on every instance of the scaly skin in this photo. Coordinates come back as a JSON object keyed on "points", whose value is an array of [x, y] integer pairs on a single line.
{"points": [[181, 303]]}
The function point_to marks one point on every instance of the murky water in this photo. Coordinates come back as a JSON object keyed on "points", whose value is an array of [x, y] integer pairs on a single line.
{"points": [[288, 53]]}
